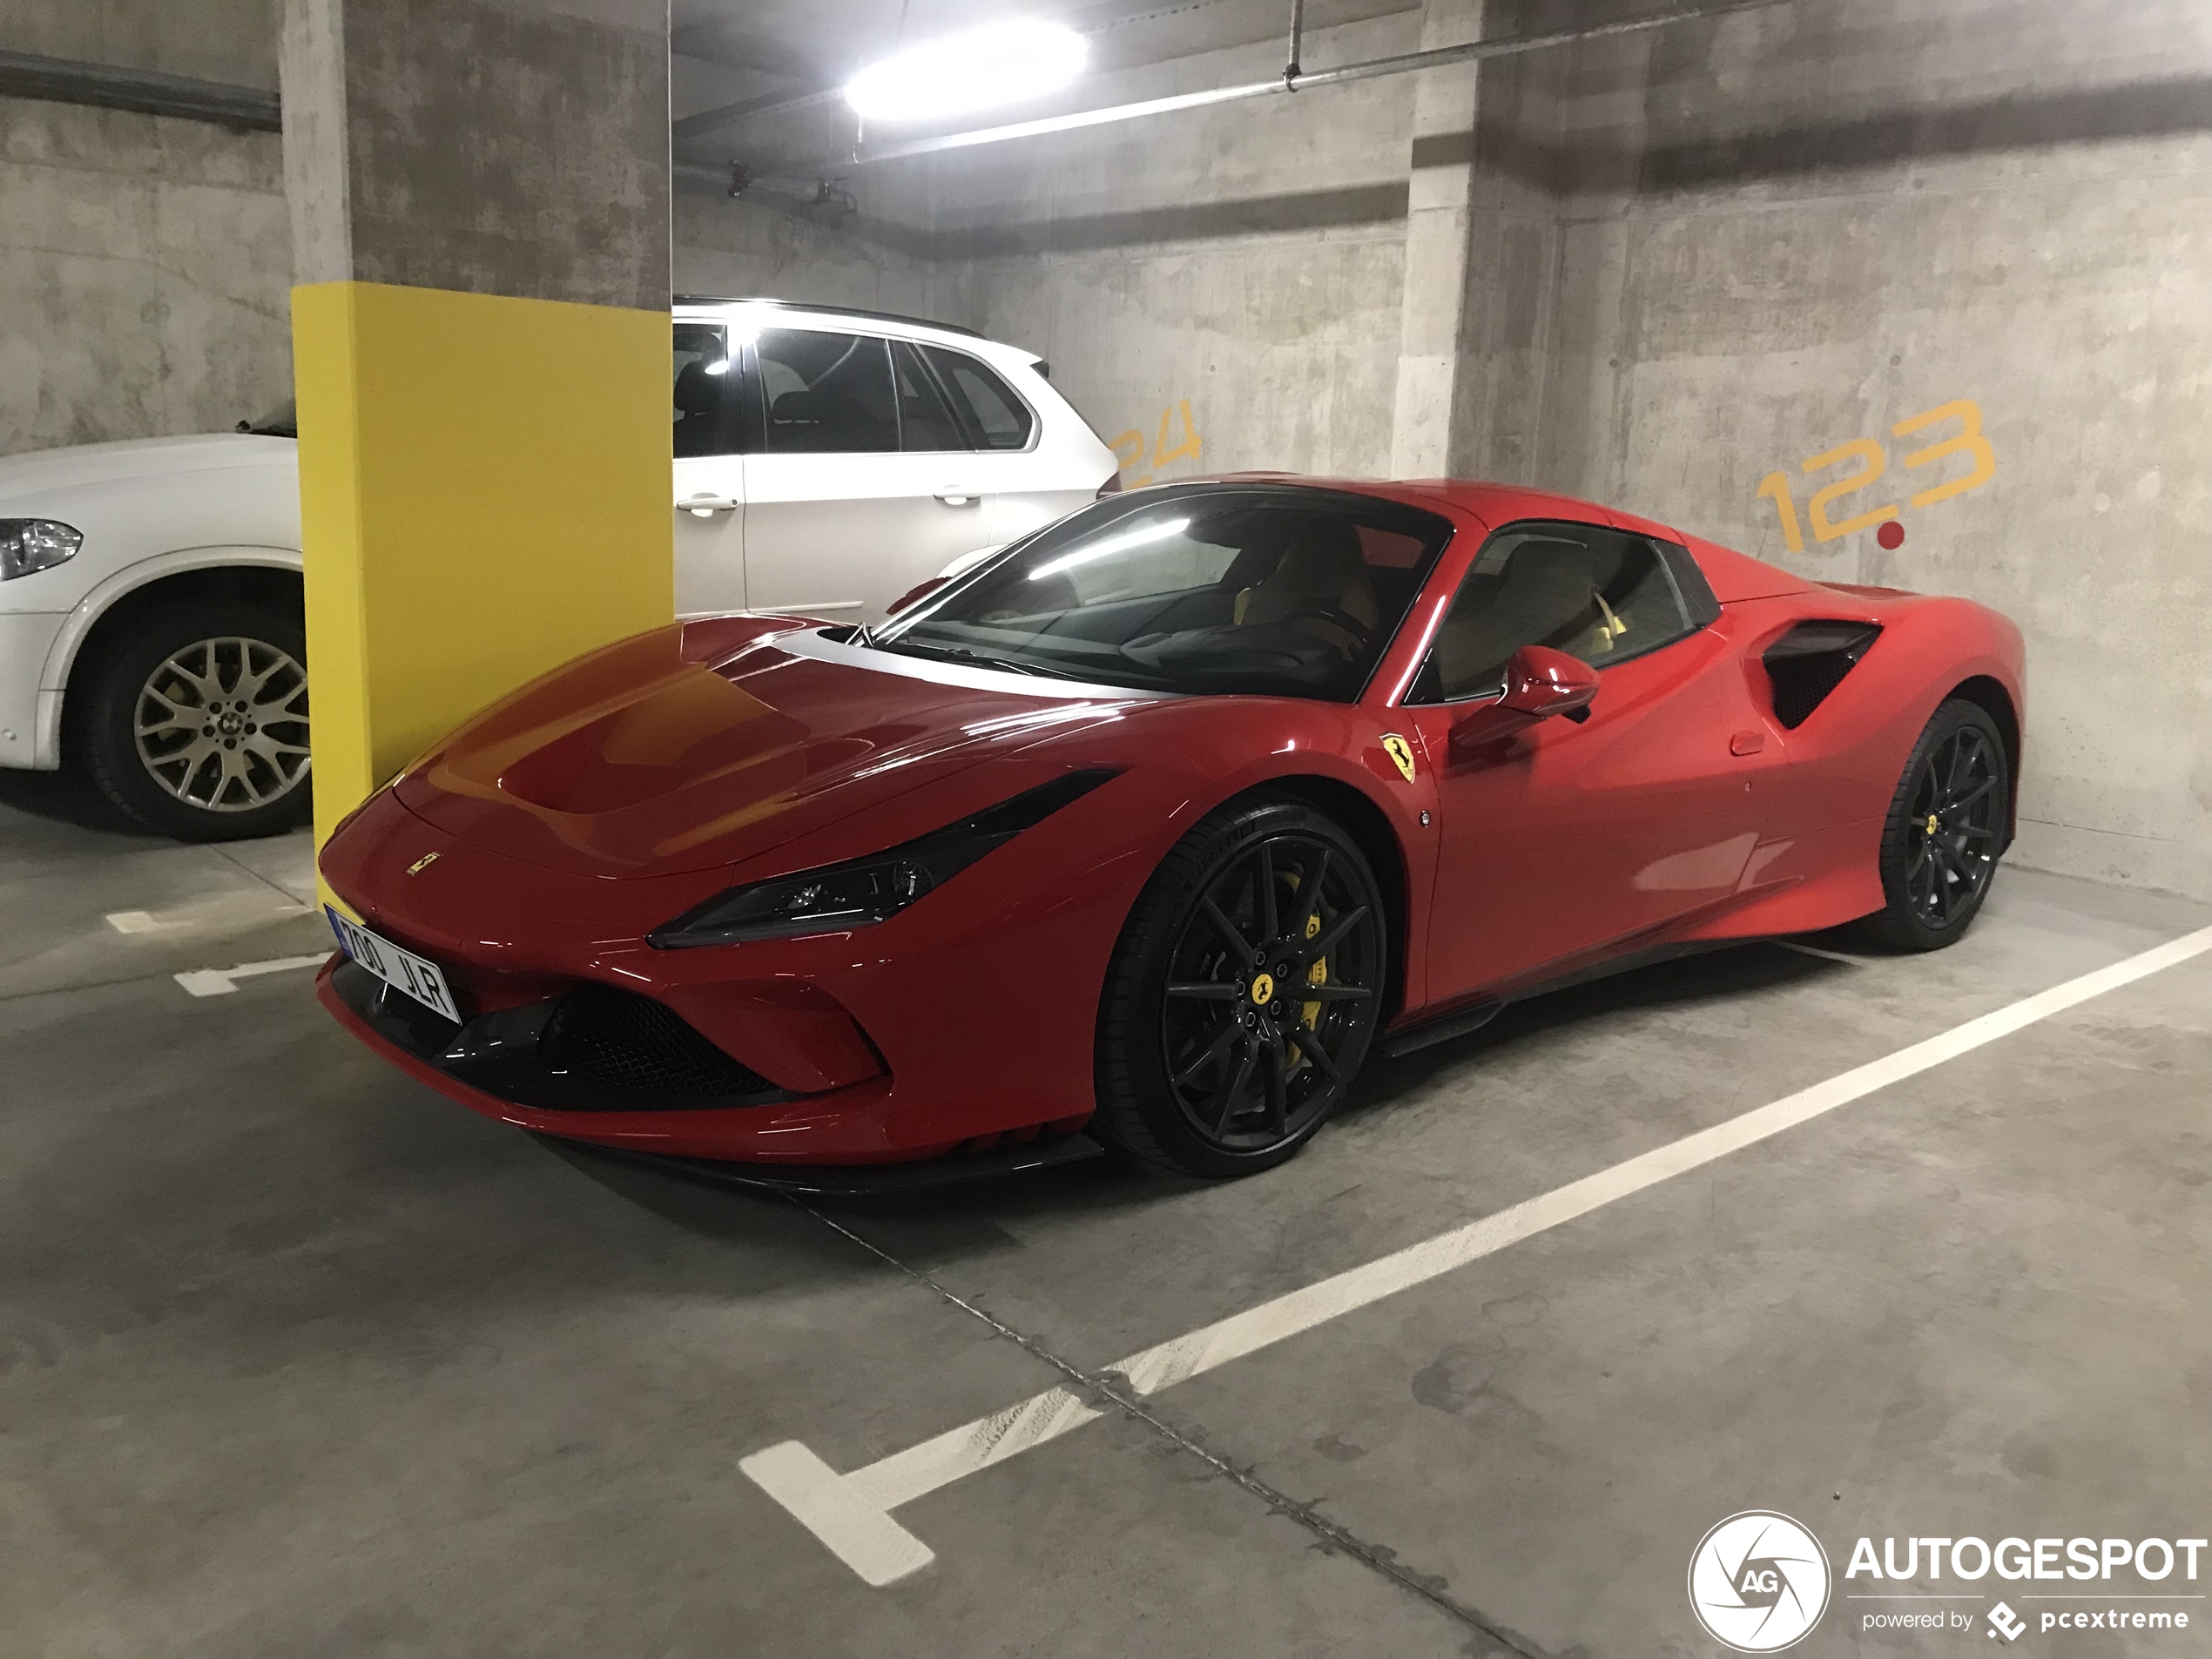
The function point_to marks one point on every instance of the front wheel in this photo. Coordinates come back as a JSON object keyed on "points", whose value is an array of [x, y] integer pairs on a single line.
{"points": [[1243, 993], [194, 721], [1946, 830]]}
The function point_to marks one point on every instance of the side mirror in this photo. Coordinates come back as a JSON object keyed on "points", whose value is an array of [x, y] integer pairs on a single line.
{"points": [[1539, 683], [1542, 681]]}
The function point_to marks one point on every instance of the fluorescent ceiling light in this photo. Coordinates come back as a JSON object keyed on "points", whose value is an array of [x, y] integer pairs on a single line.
{"points": [[977, 69]]}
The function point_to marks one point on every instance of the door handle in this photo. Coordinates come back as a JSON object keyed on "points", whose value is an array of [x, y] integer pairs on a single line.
{"points": [[704, 506], [952, 497]]}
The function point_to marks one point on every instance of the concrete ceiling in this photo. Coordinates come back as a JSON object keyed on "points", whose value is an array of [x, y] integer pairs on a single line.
{"points": [[762, 54]]}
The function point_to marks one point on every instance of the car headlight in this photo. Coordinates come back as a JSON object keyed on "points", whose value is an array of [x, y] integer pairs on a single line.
{"points": [[862, 892], [28, 544]]}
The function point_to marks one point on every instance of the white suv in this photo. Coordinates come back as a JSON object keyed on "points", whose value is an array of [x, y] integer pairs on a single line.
{"points": [[827, 463]]}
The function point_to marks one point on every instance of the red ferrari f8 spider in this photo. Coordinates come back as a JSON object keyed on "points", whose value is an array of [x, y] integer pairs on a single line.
{"points": [[1155, 824]]}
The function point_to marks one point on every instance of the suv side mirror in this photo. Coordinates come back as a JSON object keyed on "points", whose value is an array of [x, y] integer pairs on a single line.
{"points": [[1539, 683]]}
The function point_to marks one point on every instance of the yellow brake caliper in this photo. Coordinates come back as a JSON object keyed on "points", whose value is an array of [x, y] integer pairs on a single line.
{"points": [[1317, 975]]}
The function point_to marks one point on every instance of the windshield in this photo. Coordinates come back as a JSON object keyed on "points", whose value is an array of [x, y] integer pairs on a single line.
{"points": [[1276, 590], [279, 423]]}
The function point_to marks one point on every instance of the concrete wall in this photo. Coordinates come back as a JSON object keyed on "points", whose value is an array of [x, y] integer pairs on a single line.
{"points": [[1788, 232], [143, 264], [1246, 261], [790, 251]]}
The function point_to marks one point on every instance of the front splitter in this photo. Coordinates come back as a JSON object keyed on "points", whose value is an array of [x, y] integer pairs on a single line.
{"points": [[856, 1180]]}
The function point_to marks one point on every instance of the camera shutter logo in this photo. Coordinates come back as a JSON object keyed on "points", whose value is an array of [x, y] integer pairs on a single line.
{"points": [[1758, 1581]]}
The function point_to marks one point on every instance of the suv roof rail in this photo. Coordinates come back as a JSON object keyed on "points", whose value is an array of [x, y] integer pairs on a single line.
{"points": [[834, 311]]}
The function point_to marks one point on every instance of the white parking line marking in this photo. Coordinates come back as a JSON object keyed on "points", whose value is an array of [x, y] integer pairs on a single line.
{"points": [[851, 1512], [217, 981], [132, 921]]}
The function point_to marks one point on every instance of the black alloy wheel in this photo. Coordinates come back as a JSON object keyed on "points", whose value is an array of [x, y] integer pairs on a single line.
{"points": [[1946, 831], [1244, 993]]}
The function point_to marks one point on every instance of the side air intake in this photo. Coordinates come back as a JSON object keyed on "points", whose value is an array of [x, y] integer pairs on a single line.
{"points": [[1810, 661]]}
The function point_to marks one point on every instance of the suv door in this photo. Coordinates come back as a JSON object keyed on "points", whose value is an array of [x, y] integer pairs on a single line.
{"points": [[710, 474], [1573, 837], [863, 485], [1004, 431]]}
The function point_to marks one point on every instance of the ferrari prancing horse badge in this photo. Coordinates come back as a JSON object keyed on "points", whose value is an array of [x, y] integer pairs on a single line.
{"points": [[1396, 748]]}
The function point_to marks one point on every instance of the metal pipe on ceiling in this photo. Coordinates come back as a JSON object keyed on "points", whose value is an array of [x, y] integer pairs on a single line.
{"points": [[1403, 63], [146, 91], [1292, 67]]}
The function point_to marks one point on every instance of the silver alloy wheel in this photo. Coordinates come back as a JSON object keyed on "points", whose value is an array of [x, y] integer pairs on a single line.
{"points": [[222, 724]]}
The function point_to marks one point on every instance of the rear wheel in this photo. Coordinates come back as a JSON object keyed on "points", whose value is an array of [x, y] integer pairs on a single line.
{"points": [[1243, 993], [194, 721], [1946, 830]]}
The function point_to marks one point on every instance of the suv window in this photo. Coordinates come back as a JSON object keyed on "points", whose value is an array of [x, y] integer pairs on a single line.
{"points": [[995, 417], [826, 393], [925, 422], [700, 372], [1599, 595]]}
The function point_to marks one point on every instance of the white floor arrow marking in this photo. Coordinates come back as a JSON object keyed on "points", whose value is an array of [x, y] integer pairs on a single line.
{"points": [[217, 981]]}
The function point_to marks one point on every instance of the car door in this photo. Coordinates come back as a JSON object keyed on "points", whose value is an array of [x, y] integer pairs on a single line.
{"points": [[863, 485], [709, 473], [1575, 837], [1026, 490]]}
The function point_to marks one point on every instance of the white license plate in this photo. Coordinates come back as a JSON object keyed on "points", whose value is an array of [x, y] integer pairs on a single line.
{"points": [[420, 978]]}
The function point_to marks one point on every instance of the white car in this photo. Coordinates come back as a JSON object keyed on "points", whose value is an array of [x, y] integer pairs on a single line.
{"points": [[827, 463]]}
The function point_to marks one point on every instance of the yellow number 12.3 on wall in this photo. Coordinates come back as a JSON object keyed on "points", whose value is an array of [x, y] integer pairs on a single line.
{"points": [[1968, 441]]}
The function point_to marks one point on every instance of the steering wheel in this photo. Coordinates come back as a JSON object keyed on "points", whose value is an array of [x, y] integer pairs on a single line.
{"points": [[1361, 634]]}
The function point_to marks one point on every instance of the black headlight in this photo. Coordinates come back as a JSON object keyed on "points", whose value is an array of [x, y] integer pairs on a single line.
{"points": [[865, 891], [28, 544]]}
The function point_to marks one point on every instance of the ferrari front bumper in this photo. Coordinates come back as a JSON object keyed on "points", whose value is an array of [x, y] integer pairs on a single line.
{"points": [[525, 1066]]}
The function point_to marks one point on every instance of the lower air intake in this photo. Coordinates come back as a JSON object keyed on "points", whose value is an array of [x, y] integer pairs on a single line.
{"points": [[625, 1041], [1810, 661]]}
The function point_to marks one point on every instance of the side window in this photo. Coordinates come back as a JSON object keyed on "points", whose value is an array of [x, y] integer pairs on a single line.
{"points": [[1595, 593], [924, 421], [996, 418], [826, 393], [700, 374]]}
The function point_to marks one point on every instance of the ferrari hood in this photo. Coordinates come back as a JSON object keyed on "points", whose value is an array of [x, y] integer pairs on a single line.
{"points": [[716, 742]]}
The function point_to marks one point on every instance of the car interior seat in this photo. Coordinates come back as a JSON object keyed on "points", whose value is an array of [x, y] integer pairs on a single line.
{"points": [[1321, 570], [826, 419], [1546, 596], [698, 401]]}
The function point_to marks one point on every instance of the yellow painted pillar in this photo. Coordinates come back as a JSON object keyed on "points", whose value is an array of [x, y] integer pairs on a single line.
{"points": [[481, 340]]}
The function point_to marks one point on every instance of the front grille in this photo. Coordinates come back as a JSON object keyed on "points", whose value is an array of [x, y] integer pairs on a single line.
{"points": [[625, 1041]]}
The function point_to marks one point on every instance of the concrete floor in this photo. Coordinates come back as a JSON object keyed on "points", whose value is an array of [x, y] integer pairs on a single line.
{"points": [[297, 1358]]}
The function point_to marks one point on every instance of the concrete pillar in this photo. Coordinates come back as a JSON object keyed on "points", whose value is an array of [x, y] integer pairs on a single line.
{"points": [[1440, 214], [480, 210]]}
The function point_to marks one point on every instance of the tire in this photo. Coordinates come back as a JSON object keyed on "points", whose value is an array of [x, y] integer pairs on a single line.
{"points": [[1946, 830], [1202, 1067], [194, 721]]}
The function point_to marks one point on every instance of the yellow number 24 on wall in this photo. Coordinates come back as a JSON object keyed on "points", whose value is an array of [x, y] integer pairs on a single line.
{"points": [[1129, 448]]}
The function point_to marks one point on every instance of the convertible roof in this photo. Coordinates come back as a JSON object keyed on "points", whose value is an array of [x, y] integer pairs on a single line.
{"points": [[1493, 504]]}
